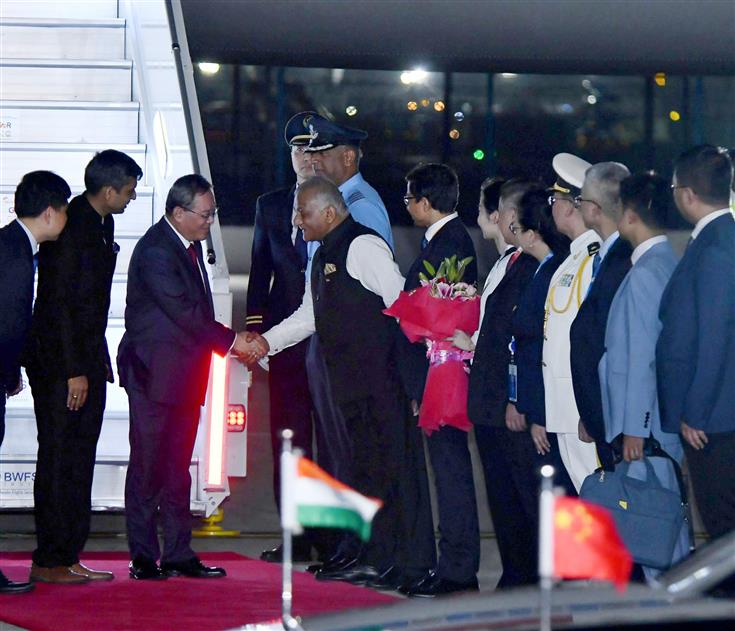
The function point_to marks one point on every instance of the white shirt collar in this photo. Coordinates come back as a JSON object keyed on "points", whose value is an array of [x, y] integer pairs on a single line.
{"points": [[437, 225], [184, 241], [704, 221], [642, 248], [608, 243], [31, 238]]}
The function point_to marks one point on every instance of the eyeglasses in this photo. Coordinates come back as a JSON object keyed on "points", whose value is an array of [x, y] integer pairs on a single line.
{"points": [[553, 199], [514, 228], [675, 186], [407, 199], [579, 200], [206, 216]]}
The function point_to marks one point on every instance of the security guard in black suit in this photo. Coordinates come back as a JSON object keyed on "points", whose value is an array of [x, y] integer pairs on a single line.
{"points": [[279, 253], [68, 365]]}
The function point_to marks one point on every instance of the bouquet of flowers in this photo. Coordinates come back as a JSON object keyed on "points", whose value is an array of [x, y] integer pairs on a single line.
{"points": [[431, 313]]}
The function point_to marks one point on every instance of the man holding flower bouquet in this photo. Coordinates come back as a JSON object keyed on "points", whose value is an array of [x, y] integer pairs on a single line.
{"points": [[432, 191]]}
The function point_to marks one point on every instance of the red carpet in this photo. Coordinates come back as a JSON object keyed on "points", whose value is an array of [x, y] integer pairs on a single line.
{"points": [[250, 593]]}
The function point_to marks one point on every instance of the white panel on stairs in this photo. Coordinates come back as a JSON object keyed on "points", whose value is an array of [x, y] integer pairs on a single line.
{"points": [[68, 160], [69, 121], [137, 218], [39, 38], [65, 80], [78, 9], [127, 244], [117, 297]]}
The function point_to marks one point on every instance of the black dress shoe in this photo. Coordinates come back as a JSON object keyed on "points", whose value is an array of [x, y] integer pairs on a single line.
{"points": [[325, 572], [13, 587], [390, 579], [336, 565], [299, 554], [143, 569], [357, 574], [193, 568], [433, 585]]}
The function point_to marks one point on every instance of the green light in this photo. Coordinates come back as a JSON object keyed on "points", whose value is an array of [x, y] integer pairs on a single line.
{"points": [[479, 154]]}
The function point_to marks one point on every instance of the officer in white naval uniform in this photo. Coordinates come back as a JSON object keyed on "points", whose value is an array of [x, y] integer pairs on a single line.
{"points": [[567, 290]]}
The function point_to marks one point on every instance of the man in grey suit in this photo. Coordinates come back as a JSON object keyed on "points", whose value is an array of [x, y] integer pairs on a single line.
{"points": [[628, 368], [695, 355]]}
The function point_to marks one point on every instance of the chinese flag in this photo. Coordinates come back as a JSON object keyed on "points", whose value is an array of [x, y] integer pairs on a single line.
{"points": [[587, 544]]}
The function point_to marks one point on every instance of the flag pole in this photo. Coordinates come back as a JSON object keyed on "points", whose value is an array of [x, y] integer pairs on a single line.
{"points": [[546, 546], [289, 622]]}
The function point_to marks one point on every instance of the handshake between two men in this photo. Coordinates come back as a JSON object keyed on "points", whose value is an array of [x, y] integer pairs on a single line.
{"points": [[249, 347]]}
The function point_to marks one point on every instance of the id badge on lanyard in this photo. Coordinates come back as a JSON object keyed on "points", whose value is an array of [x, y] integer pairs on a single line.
{"points": [[512, 373]]}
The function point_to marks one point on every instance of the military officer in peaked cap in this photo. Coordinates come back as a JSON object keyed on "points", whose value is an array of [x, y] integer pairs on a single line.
{"points": [[567, 290]]}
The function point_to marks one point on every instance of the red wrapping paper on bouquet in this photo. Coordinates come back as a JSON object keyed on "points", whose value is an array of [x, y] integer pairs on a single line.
{"points": [[425, 317]]}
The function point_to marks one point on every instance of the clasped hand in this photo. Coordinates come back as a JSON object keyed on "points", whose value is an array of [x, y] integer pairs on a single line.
{"points": [[249, 347]]}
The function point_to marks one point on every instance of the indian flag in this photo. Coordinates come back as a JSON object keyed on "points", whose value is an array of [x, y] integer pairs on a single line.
{"points": [[311, 497]]}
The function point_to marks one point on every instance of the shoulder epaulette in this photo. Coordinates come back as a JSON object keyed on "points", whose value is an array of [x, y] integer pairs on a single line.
{"points": [[593, 248], [355, 196]]}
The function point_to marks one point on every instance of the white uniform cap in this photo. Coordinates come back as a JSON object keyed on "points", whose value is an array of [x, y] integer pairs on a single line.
{"points": [[570, 168]]}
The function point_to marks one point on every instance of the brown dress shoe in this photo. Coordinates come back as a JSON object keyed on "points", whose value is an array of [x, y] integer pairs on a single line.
{"points": [[92, 575], [59, 574]]}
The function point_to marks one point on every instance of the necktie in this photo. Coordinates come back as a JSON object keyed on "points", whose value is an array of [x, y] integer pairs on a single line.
{"points": [[193, 256], [194, 261], [301, 249], [596, 262], [424, 243], [35, 262], [513, 258]]}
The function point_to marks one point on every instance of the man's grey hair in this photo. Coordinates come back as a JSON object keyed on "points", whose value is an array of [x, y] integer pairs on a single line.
{"points": [[604, 179], [325, 193]]}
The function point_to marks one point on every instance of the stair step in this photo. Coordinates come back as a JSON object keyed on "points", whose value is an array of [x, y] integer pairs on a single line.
{"points": [[68, 160], [137, 218], [69, 121], [65, 80], [78, 9], [62, 38]]}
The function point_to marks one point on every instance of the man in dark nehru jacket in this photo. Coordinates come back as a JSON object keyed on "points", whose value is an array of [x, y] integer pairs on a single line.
{"points": [[40, 209], [335, 153], [68, 365], [279, 254], [354, 277]]}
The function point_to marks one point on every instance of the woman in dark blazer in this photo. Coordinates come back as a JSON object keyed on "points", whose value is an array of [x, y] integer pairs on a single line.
{"points": [[538, 236]]}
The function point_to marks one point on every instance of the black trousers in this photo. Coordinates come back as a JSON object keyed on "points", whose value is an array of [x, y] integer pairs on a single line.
{"points": [[459, 541], [711, 471], [388, 463], [332, 441], [67, 446], [158, 482], [290, 406], [512, 486]]}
